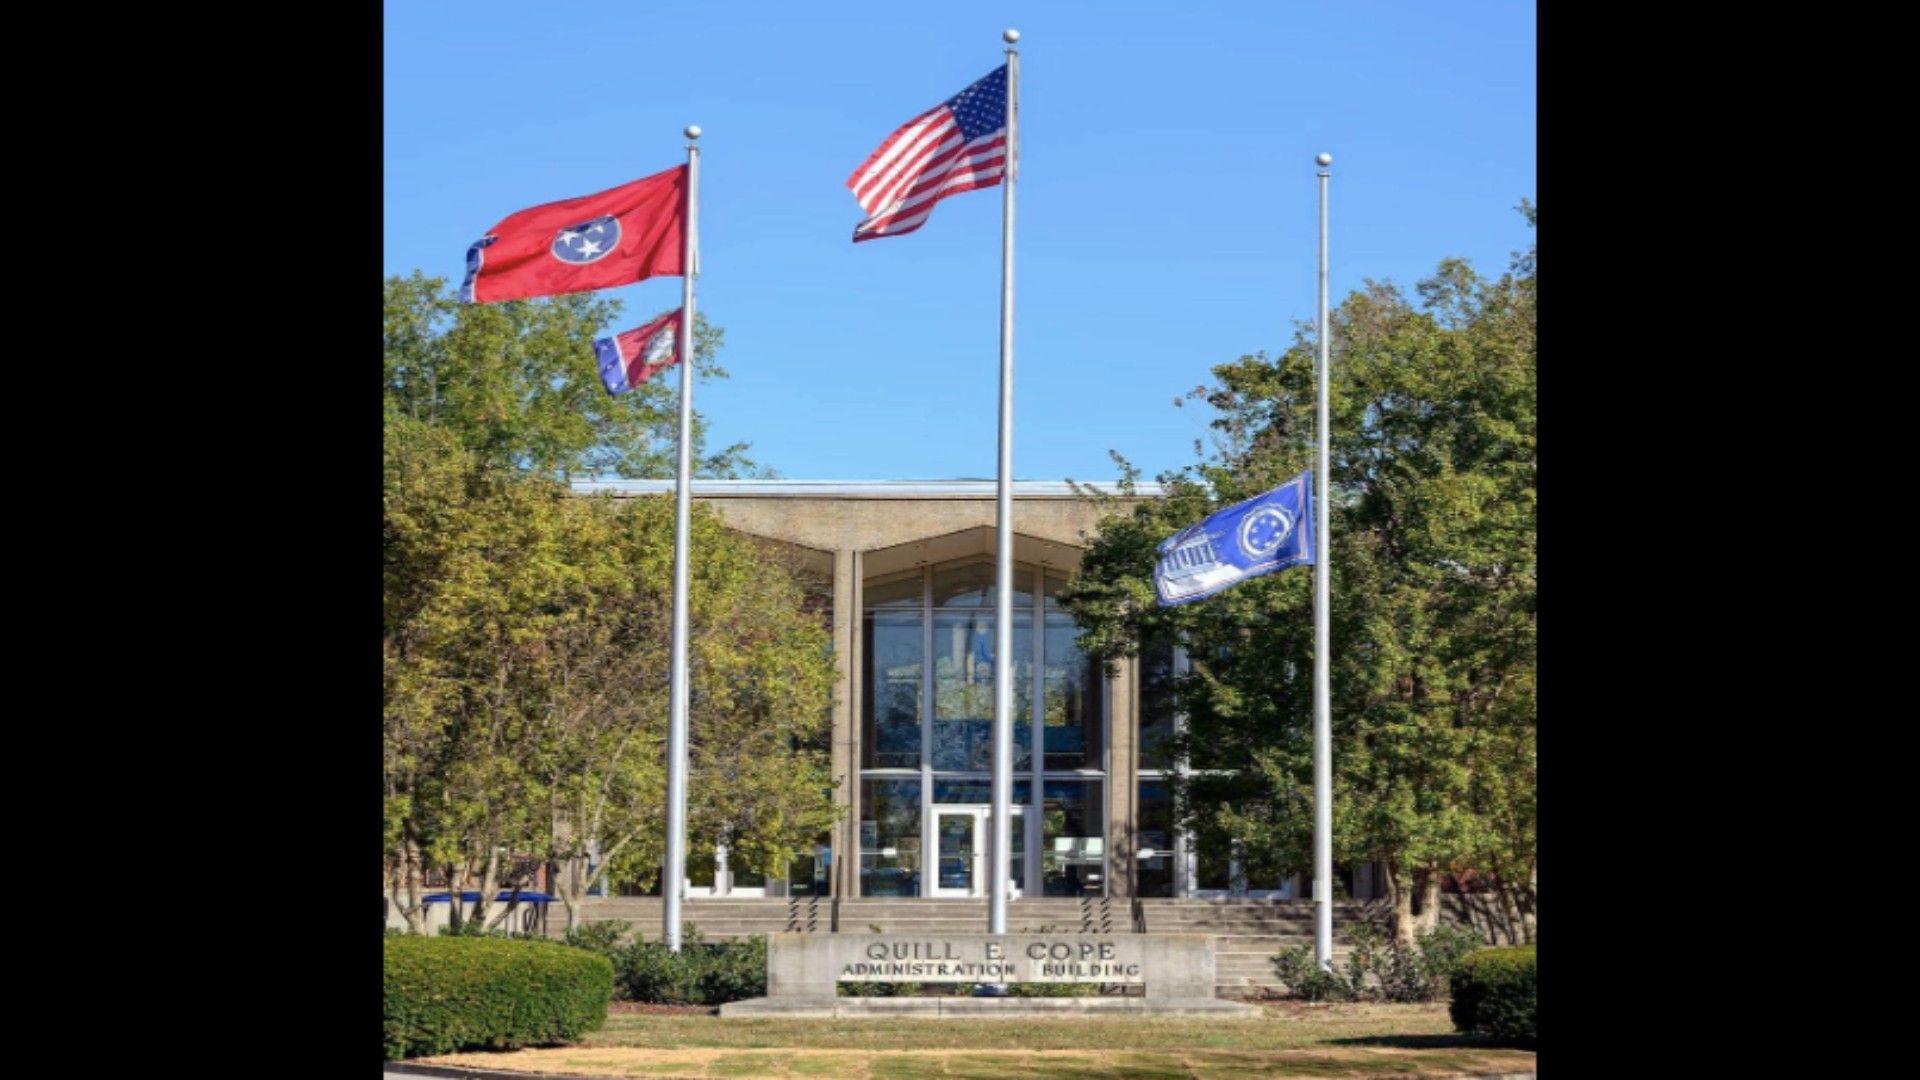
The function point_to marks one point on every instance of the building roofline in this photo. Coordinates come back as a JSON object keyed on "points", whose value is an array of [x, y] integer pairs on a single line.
{"points": [[861, 489]]}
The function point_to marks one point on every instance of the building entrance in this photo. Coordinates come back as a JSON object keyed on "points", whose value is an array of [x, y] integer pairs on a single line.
{"points": [[962, 837]]}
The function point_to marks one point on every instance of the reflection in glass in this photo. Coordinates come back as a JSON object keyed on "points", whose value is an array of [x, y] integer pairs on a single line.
{"points": [[963, 690], [1156, 707], [891, 739], [1155, 874], [808, 874], [1070, 738], [890, 838], [1073, 848], [955, 835], [978, 791], [970, 584], [1051, 590], [898, 591]]}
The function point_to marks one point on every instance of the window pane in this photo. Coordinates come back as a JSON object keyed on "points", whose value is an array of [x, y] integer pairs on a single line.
{"points": [[970, 584], [1073, 845], [1071, 736], [1155, 877], [890, 738], [890, 838], [894, 591], [1051, 589], [1156, 707], [963, 690], [808, 874], [978, 792]]}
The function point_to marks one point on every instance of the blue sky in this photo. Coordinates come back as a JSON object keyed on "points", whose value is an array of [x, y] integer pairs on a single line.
{"points": [[1166, 200]]}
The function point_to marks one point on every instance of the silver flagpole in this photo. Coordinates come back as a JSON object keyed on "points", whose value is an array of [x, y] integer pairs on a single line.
{"points": [[675, 872], [1002, 847], [1322, 706]]}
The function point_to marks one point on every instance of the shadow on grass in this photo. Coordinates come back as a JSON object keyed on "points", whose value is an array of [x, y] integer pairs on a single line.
{"points": [[1452, 1040], [1448, 1041]]}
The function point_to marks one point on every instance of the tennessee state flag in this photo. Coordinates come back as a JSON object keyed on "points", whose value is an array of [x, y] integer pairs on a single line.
{"points": [[631, 357], [616, 237]]}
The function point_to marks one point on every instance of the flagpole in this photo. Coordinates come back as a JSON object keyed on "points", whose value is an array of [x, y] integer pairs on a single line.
{"points": [[1002, 846], [675, 871], [1322, 567]]}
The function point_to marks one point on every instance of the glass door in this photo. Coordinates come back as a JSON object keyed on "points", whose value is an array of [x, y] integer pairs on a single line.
{"points": [[962, 836], [958, 845]]}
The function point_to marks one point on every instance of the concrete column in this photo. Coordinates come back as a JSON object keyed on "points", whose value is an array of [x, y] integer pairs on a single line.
{"points": [[846, 722], [1123, 766]]}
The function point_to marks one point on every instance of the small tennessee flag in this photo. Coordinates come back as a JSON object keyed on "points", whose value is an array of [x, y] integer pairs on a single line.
{"points": [[613, 237], [631, 357]]}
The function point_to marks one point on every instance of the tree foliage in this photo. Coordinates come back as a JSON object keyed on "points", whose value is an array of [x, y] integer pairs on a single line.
{"points": [[1433, 587], [518, 383], [526, 630]]}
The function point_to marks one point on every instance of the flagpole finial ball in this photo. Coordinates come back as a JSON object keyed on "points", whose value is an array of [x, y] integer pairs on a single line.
{"points": [[1011, 36], [1323, 160], [693, 131]]}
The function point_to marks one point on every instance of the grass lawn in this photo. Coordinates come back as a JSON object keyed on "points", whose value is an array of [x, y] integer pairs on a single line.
{"points": [[1376, 1041]]}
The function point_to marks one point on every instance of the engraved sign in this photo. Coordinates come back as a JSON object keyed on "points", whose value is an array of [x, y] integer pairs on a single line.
{"points": [[1167, 965]]}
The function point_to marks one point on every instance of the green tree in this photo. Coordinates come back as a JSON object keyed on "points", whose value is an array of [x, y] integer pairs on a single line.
{"points": [[1433, 575], [526, 637], [517, 383], [474, 582]]}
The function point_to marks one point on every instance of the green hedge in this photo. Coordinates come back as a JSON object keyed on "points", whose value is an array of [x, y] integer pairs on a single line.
{"points": [[1494, 994], [701, 973], [458, 993]]}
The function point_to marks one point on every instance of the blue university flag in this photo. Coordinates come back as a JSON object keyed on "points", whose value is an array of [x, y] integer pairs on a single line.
{"points": [[1265, 533]]}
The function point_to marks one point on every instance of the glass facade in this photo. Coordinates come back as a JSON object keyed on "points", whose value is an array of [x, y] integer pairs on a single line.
{"points": [[1073, 840], [963, 689], [1156, 707], [890, 838], [927, 734], [1154, 839]]}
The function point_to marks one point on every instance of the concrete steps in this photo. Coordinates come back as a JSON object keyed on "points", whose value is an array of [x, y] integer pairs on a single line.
{"points": [[1249, 933], [1243, 966]]}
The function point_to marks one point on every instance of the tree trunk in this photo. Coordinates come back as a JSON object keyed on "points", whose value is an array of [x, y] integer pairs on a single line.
{"points": [[571, 889], [411, 907], [1510, 908], [489, 881], [1528, 901], [456, 908], [1400, 887], [1429, 917]]}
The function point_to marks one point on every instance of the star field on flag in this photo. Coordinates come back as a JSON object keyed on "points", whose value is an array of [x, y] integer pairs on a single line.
{"points": [[958, 145]]}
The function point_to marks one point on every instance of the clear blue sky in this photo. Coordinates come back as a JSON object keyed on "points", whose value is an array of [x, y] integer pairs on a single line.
{"points": [[1166, 203]]}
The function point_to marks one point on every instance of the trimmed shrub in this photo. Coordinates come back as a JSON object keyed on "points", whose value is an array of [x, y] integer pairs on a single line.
{"points": [[602, 937], [734, 971], [1494, 994], [459, 993], [1378, 968], [1305, 980], [701, 973]]}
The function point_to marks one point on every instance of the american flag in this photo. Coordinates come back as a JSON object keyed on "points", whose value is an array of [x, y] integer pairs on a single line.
{"points": [[958, 145]]}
